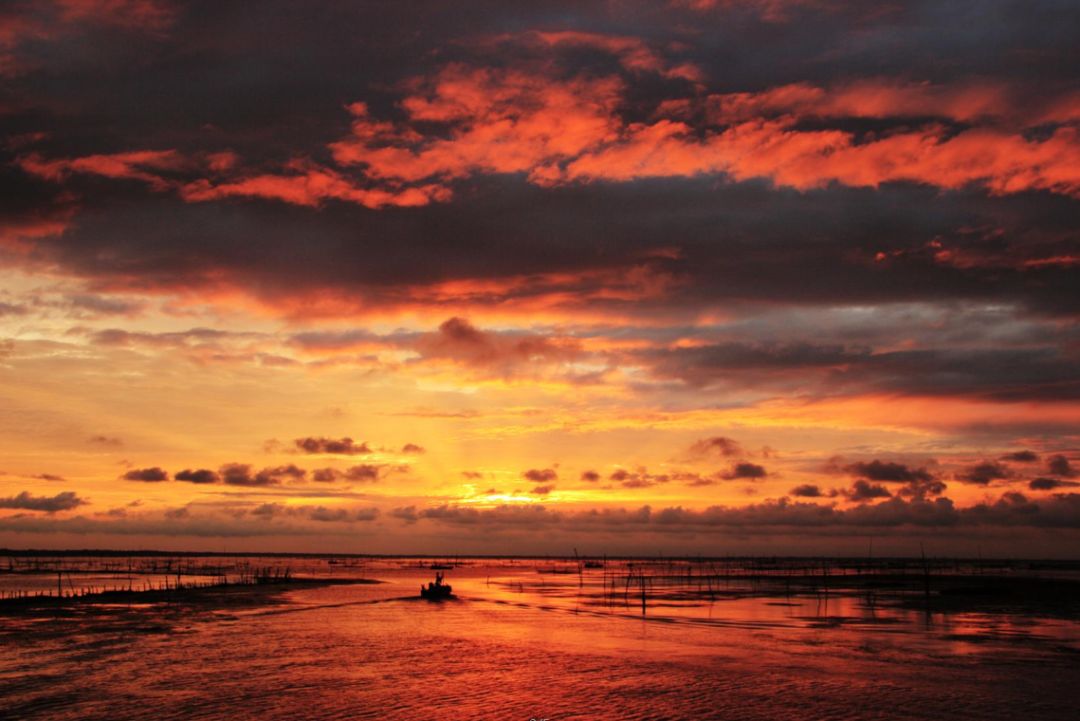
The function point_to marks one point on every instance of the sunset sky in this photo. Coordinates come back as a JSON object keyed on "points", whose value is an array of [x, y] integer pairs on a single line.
{"points": [[695, 276]]}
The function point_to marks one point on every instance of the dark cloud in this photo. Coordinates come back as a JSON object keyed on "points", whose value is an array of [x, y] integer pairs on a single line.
{"points": [[917, 482], [704, 365], [1011, 510], [241, 474], [276, 474], [806, 490], [640, 478], [319, 514], [499, 230], [590, 476], [363, 473], [540, 475], [922, 489], [365, 514], [95, 305], [500, 515], [865, 491], [459, 340], [1050, 484], [190, 241], [64, 501], [716, 445], [335, 446], [1059, 466], [543, 490], [202, 475], [888, 471], [1022, 374], [268, 510], [412, 449], [111, 441], [1036, 372], [192, 339], [408, 514], [147, 475], [1021, 456], [695, 480], [9, 309], [745, 470], [982, 474]]}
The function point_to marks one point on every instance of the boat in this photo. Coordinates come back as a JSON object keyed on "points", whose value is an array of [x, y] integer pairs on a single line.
{"points": [[438, 590]]}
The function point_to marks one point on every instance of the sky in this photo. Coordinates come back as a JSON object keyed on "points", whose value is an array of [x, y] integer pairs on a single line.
{"points": [[672, 277]]}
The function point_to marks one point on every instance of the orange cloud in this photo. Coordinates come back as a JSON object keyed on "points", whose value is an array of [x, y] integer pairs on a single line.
{"points": [[468, 121], [559, 131], [872, 98], [982, 101], [134, 165], [1001, 162], [312, 186], [507, 122], [459, 341]]}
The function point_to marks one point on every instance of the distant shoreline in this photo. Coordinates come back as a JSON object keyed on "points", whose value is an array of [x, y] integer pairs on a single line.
{"points": [[213, 595], [111, 553]]}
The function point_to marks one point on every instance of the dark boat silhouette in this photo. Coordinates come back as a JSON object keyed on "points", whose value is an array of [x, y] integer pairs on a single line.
{"points": [[438, 590]]}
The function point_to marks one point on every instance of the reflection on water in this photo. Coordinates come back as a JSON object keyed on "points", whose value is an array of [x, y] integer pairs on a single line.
{"points": [[519, 644]]}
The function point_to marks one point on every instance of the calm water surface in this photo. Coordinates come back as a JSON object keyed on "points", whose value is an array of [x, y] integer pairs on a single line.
{"points": [[520, 644]]}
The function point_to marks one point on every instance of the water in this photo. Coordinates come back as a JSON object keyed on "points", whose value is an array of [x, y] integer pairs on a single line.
{"points": [[521, 644]]}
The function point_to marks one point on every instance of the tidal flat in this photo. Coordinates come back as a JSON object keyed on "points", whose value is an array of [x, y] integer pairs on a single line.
{"points": [[348, 638]]}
